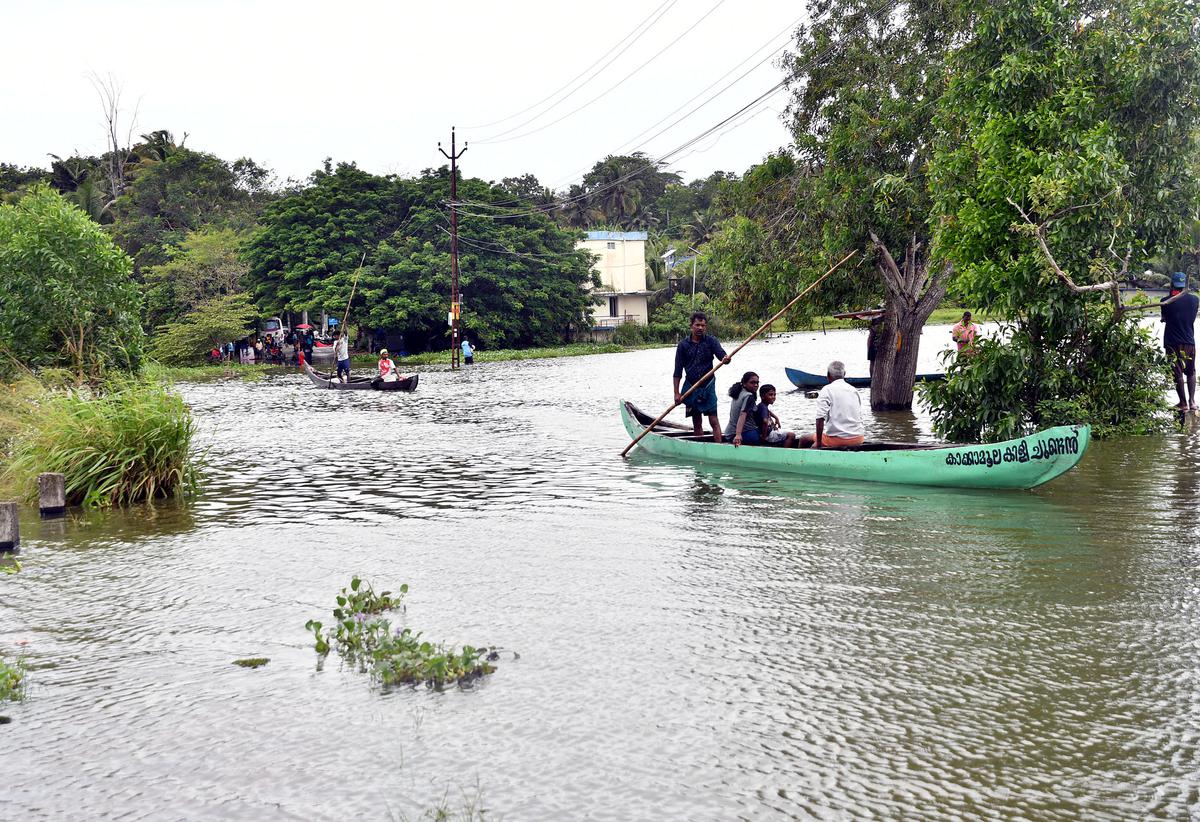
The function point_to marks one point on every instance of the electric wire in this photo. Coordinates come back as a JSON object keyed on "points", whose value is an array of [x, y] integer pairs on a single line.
{"points": [[774, 52], [552, 106], [501, 138], [569, 83]]}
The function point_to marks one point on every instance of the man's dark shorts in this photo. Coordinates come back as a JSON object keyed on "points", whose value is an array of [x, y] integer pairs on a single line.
{"points": [[704, 401], [1183, 360]]}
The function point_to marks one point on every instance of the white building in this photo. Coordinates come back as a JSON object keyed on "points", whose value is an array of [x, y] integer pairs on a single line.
{"points": [[621, 297]]}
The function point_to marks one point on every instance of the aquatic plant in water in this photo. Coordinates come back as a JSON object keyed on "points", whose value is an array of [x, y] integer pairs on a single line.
{"points": [[12, 679], [363, 637]]}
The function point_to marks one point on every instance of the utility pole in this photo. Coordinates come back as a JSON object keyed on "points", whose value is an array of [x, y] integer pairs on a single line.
{"points": [[455, 301]]}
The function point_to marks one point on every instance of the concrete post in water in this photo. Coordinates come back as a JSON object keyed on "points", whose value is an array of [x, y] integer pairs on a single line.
{"points": [[52, 495], [10, 527]]}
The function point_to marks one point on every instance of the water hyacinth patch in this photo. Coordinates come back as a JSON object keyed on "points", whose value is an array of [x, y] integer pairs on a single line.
{"points": [[393, 656], [12, 679]]}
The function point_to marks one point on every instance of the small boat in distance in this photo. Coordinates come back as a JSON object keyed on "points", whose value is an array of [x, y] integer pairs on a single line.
{"points": [[1020, 463], [321, 380], [805, 380]]}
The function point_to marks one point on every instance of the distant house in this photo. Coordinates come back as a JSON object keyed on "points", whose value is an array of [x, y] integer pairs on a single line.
{"points": [[621, 297]]}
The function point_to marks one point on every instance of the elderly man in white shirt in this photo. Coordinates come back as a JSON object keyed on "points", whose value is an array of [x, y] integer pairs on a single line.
{"points": [[839, 413]]}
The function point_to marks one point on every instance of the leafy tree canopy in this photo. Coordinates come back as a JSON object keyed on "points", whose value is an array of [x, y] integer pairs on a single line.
{"points": [[168, 197], [1085, 116], [521, 278], [206, 265], [68, 297], [210, 325]]}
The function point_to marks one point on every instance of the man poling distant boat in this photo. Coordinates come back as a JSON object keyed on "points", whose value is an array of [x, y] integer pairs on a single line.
{"points": [[341, 352]]}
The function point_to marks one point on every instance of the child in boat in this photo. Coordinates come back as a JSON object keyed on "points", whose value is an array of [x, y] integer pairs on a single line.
{"points": [[742, 427], [768, 424]]}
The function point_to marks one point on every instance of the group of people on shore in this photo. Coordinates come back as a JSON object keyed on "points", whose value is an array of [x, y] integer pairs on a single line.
{"points": [[751, 421]]}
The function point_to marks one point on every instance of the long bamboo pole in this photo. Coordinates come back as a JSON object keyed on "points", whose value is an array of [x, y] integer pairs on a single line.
{"points": [[353, 288], [346, 317], [749, 339]]}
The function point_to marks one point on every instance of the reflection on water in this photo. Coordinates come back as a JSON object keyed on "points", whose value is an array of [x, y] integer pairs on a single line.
{"points": [[696, 642]]}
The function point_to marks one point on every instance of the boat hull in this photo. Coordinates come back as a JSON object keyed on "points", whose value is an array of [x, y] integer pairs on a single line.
{"points": [[327, 381], [805, 380], [1014, 464]]}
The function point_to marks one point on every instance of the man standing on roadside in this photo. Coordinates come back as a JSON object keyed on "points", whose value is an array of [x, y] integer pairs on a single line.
{"points": [[694, 357], [1179, 314]]}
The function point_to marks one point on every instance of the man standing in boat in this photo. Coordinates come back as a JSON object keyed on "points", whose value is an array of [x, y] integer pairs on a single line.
{"points": [[341, 352], [694, 357], [1179, 338]]}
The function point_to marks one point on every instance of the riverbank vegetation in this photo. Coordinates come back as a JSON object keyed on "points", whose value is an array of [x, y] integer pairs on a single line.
{"points": [[127, 442], [921, 136], [364, 638]]}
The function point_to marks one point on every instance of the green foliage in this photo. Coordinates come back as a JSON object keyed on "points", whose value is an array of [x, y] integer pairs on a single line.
{"points": [[521, 278], [12, 679], [68, 296], [212, 324], [629, 334], [1090, 123], [129, 444], [671, 321], [251, 662], [1115, 385], [364, 638], [206, 265], [15, 181], [175, 191]]}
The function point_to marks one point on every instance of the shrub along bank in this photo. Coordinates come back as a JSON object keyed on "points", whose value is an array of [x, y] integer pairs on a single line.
{"points": [[127, 442]]}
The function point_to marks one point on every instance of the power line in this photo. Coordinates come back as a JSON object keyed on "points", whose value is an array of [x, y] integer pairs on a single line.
{"points": [[613, 87], [624, 146], [645, 26]]}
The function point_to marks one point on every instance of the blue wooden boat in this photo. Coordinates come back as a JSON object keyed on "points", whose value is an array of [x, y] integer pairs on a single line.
{"points": [[805, 380]]}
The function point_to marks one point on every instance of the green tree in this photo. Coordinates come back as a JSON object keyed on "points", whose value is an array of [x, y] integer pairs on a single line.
{"points": [[15, 181], [210, 325], [207, 264], [67, 297], [321, 231], [521, 277], [169, 197], [865, 80], [1085, 117]]}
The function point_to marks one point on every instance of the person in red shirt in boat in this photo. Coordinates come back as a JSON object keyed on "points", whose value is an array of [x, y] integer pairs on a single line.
{"points": [[387, 368]]}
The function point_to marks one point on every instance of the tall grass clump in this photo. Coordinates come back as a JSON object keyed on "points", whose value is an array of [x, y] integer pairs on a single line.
{"points": [[128, 443]]}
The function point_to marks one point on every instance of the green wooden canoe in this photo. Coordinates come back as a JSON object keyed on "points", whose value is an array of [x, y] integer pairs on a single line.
{"points": [[1021, 463]]}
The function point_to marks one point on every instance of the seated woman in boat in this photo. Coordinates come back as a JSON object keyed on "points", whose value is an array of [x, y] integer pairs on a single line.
{"points": [[742, 427], [387, 368], [768, 424], [839, 413]]}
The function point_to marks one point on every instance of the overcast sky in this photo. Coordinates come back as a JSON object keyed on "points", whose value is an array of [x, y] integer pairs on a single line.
{"points": [[380, 83]]}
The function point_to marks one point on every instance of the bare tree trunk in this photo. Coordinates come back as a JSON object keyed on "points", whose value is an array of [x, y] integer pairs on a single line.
{"points": [[896, 362], [913, 292], [109, 92]]}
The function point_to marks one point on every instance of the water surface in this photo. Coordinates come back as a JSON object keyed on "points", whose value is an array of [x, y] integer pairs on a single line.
{"points": [[695, 642]]}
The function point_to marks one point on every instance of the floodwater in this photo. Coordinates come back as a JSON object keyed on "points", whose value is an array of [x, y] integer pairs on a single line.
{"points": [[694, 643]]}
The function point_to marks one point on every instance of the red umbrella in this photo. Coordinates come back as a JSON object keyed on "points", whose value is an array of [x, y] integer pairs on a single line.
{"points": [[304, 325]]}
